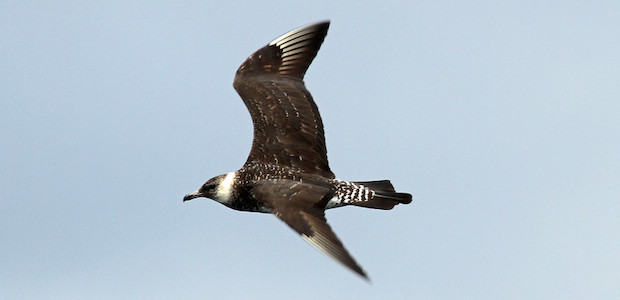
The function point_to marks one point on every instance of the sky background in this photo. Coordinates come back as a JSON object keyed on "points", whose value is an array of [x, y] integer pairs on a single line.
{"points": [[502, 119]]}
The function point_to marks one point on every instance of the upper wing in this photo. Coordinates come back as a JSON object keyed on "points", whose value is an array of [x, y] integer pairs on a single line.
{"points": [[288, 129], [302, 207]]}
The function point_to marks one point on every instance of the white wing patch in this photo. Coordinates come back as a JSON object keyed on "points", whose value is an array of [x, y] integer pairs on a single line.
{"points": [[282, 40]]}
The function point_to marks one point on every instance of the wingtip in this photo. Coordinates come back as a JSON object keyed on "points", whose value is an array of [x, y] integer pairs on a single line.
{"points": [[321, 26], [364, 276], [288, 55], [334, 249], [359, 271]]}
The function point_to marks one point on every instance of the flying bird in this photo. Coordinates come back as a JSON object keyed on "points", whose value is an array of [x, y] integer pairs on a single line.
{"points": [[287, 173]]}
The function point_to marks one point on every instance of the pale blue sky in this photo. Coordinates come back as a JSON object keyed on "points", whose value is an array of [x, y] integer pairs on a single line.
{"points": [[501, 119]]}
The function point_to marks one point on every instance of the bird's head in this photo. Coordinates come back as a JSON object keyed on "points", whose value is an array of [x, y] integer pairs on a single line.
{"points": [[218, 188]]}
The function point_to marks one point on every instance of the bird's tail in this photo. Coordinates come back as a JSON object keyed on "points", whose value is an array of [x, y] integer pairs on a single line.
{"points": [[385, 197]]}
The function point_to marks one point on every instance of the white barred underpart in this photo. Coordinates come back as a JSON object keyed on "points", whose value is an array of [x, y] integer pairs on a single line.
{"points": [[348, 193], [224, 189]]}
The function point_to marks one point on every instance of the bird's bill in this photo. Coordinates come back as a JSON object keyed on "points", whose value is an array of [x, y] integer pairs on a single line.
{"points": [[191, 196]]}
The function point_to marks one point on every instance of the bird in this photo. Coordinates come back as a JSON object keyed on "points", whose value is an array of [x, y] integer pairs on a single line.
{"points": [[287, 172]]}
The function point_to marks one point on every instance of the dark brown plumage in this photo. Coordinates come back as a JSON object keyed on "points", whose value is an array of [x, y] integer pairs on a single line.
{"points": [[287, 172]]}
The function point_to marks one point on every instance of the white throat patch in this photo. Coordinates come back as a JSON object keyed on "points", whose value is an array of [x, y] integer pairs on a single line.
{"points": [[224, 189]]}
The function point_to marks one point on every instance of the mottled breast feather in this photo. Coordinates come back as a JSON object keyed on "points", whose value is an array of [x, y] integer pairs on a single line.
{"points": [[288, 129]]}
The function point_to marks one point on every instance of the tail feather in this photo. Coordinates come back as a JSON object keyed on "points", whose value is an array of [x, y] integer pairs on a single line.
{"points": [[385, 196], [377, 185]]}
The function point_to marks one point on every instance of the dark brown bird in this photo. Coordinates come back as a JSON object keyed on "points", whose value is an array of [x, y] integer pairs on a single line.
{"points": [[287, 173]]}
